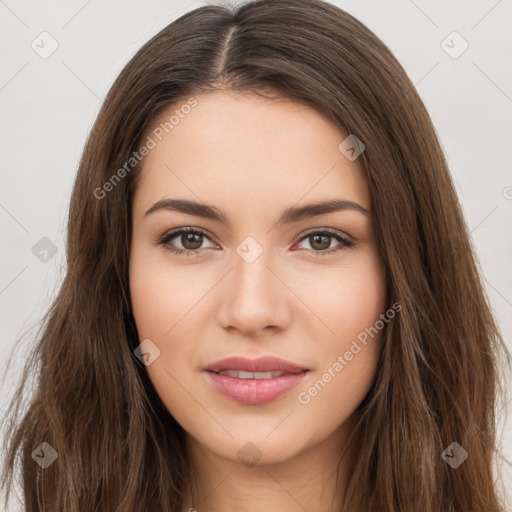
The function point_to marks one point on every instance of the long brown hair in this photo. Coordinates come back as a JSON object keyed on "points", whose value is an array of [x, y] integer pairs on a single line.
{"points": [[437, 380]]}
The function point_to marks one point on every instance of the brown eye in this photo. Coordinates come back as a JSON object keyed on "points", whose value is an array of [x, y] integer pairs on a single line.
{"points": [[190, 240], [320, 242]]}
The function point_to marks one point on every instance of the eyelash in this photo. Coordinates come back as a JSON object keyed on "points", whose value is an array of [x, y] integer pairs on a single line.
{"points": [[165, 239]]}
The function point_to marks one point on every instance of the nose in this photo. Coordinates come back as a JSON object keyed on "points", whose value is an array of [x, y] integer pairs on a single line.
{"points": [[254, 298]]}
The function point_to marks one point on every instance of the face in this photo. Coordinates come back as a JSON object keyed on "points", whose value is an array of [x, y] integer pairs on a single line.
{"points": [[256, 276]]}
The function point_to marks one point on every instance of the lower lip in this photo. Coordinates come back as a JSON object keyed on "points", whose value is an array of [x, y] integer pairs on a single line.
{"points": [[255, 391]]}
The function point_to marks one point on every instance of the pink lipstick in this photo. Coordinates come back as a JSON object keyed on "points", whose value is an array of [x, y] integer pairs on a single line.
{"points": [[254, 381]]}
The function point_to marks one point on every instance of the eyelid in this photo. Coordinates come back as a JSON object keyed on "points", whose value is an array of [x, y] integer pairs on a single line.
{"points": [[344, 239], [173, 233], [330, 231]]}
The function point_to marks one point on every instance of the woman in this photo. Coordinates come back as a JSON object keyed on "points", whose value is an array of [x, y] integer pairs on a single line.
{"points": [[271, 301]]}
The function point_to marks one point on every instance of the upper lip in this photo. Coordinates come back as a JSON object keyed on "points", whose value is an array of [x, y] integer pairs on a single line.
{"points": [[261, 364]]}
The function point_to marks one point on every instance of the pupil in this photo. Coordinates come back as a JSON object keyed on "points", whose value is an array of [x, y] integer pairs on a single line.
{"points": [[316, 239], [189, 238]]}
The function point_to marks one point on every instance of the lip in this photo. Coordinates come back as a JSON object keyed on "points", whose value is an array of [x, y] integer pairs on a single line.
{"points": [[254, 391], [261, 364]]}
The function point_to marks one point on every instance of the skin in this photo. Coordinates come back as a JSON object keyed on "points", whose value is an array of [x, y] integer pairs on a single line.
{"points": [[252, 158]]}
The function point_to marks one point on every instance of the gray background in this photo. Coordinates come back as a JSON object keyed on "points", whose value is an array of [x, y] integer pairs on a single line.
{"points": [[49, 105]]}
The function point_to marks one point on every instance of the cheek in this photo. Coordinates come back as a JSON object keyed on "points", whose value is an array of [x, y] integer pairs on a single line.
{"points": [[162, 303], [161, 295], [350, 305], [168, 303], [345, 300]]}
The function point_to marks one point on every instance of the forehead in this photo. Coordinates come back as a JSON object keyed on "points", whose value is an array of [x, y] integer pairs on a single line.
{"points": [[249, 151]]}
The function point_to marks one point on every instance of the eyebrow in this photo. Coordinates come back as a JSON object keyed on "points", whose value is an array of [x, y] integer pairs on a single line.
{"points": [[292, 214]]}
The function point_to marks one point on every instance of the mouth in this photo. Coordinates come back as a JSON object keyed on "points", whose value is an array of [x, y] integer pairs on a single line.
{"points": [[254, 381]]}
